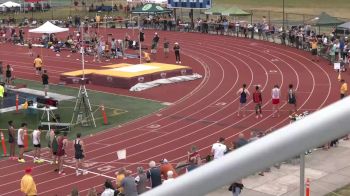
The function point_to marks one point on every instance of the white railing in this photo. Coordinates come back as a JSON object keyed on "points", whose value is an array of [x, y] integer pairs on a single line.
{"points": [[314, 130]]}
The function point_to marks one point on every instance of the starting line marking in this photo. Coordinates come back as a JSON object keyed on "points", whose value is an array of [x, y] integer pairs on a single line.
{"points": [[71, 167]]}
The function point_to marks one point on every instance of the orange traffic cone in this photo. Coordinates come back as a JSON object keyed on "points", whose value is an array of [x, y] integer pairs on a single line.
{"points": [[307, 190], [25, 142], [105, 120], [3, 144]]}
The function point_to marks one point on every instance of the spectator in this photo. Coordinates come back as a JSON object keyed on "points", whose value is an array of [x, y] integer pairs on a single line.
{"points": [[170, 177], [74, 192], [129, 185], [92, 192], [343, 89], [236, 188], [154, 175], [140, 180], [194, 154], [219, 148], [120, 176], [28, 186], [108, 189], [241, 141], [165, 167], [192, 164]]}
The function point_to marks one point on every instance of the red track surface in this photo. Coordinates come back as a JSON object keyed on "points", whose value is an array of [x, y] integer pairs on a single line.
{"points": [[205, 110]]}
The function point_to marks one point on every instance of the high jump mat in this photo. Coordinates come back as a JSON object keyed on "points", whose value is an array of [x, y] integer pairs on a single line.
{"points": [[125, 75]]}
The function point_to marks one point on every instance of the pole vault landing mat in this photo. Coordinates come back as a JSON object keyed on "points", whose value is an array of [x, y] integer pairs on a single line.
{"points": [[127, 75]]}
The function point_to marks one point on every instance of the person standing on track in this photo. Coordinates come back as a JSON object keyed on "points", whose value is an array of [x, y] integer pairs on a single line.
{"points": [[257, 98], [79, 154], [313, 44], [166, 48], [20, 142], [37, 145], [2, 94], [9, 73], [275, 100], [292, 101], [62, 145], [28, 186], [243, 93], [12, 140], [38, 64], [45, 80], [343, 89], [177, 53], [30, 48]]}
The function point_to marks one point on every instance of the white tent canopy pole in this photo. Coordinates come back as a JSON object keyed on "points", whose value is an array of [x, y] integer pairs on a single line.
{"points": [[313, 131]]}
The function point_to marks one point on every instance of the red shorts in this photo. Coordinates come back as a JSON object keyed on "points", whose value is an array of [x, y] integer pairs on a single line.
{"points": [[275, 101]]}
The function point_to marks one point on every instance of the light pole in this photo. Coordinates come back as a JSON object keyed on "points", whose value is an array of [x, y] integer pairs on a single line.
{"points": [[283, 15]]}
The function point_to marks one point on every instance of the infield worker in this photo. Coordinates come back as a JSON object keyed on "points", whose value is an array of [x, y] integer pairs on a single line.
{"points": [[177, 53], [38, 63], [343, 89], [45, 80], [79, 154], [37, 145], [20, 142], [243, 93], [276, 93]]}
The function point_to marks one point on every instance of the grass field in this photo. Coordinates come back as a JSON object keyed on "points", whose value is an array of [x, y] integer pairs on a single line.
{"points": [[341, 192], [119, 110]]}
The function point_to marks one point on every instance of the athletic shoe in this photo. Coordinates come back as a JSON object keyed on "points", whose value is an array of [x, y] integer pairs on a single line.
{"points": [[61, 173], [256, 116], [179, 62], [260, 115], [21, 161], [85, 172], [77, 173], [40, 161]]}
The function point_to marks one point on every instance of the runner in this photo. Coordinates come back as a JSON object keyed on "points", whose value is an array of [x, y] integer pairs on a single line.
{"points": [[45, 80], [313, 44], [38, 63], [243, 93], [62, 144], [177, 53], [37, 145], [292, 101], [54, 147], [79, 154], [20, 142], [8, 73], [275, 101], [258, 102], [12, 140]]}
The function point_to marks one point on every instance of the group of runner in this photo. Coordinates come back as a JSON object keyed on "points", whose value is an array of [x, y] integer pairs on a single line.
{"points": [[57, 143], [243, 94]]}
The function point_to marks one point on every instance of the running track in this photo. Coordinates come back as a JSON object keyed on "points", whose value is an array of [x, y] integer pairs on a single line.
{"points": [[203, 110]]}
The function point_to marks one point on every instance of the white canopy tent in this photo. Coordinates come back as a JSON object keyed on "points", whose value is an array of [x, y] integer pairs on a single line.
{"points": [[345, 25], [10, 4], [48, 28]]}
